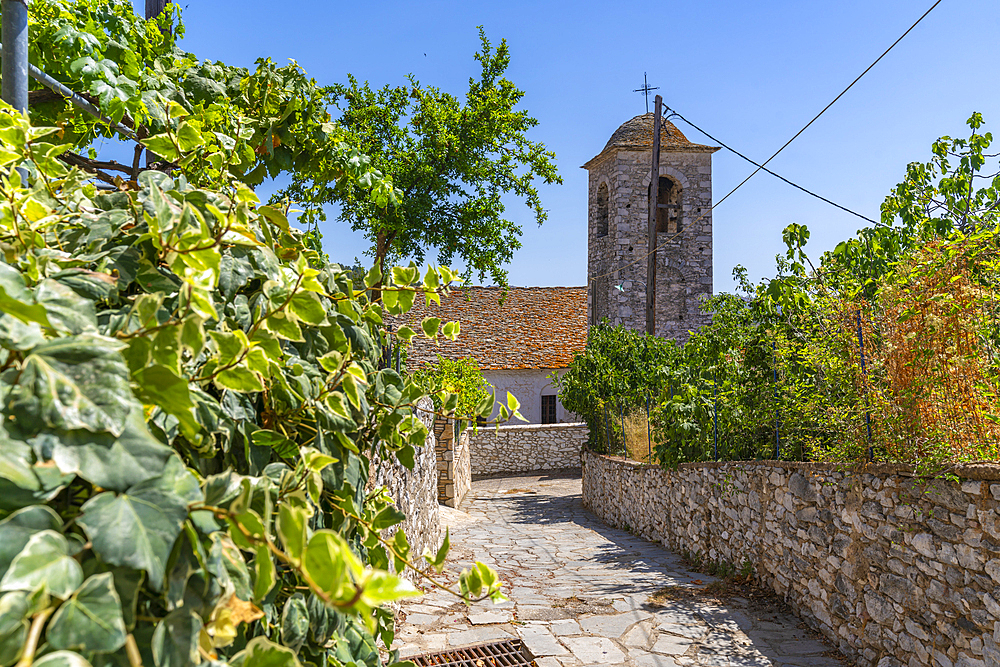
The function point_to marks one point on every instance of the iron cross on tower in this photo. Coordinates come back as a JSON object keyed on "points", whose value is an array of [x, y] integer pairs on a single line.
{"points": [[645, 90]]}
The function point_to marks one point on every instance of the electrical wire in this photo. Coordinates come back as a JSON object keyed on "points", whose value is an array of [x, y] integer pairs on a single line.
{"points": [[760, 167], [834, 101], [796, 136]]}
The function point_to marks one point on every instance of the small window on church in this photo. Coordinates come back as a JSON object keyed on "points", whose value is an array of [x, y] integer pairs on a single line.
{"points": [[548, 409], [668, 206], [601, 212]]}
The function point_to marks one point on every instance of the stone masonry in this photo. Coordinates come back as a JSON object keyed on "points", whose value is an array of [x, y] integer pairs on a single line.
{"points": [[415, 491], [618, 230], [895, 570], [513, 449], [453, 463]]}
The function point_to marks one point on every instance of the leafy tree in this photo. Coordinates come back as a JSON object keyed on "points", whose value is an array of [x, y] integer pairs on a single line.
{"points": [[254, 123], [452, 162], [189, 405], [618, 370]]}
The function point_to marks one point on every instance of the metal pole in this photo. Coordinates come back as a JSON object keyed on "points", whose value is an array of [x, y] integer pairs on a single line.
{"points": [[14, 70], [649, 434], [621, 418], [654, 195], [864, 374], [715, 411], [777, 424], [607, 438]]}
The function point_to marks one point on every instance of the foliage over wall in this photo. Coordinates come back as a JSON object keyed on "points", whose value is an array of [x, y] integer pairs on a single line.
{"points": [[885, 350], [618, 370], [461, 381], [190, 401]]}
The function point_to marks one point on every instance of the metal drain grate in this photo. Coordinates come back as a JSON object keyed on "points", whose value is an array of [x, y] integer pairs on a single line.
{"points": [[499, 654]]}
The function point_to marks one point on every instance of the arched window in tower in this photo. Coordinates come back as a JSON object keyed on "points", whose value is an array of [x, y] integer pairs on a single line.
{"points": [[668, 206], [601, 214]]}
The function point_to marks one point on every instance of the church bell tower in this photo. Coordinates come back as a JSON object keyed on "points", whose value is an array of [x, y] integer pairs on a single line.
{"points": [[618, 224]]}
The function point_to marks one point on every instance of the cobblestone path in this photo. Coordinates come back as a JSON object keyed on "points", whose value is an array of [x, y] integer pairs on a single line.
{"points": [[580, 592]]}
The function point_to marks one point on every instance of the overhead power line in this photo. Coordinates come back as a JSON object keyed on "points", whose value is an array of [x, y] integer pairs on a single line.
{"points": [[760, 167], [851, 85]]}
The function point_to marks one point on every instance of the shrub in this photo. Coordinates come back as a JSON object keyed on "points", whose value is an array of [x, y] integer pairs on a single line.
{"points": [[460, 378], [619, 369]]}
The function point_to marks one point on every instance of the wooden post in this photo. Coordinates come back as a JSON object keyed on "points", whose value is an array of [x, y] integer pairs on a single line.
{"points": [[155, 7], [654, 195]]}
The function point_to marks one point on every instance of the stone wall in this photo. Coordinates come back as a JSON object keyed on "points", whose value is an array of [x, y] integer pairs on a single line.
{"points": [[415, 491], [894, 570], [453, 463], [511, 449]]}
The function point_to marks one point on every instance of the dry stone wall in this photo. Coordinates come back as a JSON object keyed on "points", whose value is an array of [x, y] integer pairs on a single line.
{"points": [[453, 463], [511, 449], [896, 571], [415, 491]]}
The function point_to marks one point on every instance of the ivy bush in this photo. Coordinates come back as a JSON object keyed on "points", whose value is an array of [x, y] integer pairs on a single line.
{"points": [[190, 405]]}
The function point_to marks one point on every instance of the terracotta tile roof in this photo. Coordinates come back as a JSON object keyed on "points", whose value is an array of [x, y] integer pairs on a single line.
{"points": [[637, 134], [535, 327]]}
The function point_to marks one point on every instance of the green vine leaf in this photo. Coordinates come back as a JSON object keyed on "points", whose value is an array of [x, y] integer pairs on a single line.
{"points": [[45, 562], [139, 527], [76, 382], [91, 620]]}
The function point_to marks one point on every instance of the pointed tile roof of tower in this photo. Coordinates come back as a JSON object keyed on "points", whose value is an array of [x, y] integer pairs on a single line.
{"points": [[637, 134]]}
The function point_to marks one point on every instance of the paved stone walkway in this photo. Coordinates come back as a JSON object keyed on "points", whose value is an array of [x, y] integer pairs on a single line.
{"points": [[580, 592]]}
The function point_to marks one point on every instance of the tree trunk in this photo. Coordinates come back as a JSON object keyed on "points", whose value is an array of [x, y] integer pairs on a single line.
{"points": [[381, 248], [155, 7]]}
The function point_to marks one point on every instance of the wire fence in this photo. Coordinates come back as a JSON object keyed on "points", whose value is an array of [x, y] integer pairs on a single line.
{"points": [[913, 378]]}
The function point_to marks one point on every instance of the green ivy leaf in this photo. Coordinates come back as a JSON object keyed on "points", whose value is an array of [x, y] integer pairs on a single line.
{"points": [[382, 587], [294, 622], [162, 145], [292, 527], [17, 529], [16, 300], [44, 561], [138, 528], [91, 620], [265, 574], [109, 463], [240, 379], [175, 640], [14, 616], [188, 137], [262, 652], [388, 517], [328, 560], [75, 382], [61, 659], [281, 445]]}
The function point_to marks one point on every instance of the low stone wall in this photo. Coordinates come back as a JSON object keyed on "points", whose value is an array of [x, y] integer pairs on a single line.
{"points": [[453, 463], [510, 449], [415, 491], [895, 571]]}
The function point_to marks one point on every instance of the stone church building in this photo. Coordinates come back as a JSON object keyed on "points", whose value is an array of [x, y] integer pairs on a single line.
{"points": [[618, 225]]}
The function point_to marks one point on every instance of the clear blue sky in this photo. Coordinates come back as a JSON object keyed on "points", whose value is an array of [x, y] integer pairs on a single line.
{"points": [[751, 73]]}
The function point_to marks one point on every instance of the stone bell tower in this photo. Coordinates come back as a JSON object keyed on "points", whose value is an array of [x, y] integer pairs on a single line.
{"points": [[618, 223]]}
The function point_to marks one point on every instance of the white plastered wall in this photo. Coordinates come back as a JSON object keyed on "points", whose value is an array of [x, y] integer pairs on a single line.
{"points": [[528, 386]]}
